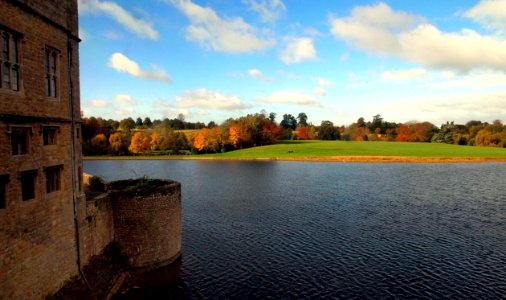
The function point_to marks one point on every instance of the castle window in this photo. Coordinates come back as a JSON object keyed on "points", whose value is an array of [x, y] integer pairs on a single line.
{"points": [[49, 135], [51, 66], [53, 178], [4, 179], [28, 184], [9, 61], [20, 140]]}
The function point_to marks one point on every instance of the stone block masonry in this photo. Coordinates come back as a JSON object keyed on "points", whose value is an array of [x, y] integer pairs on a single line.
{"points": [[147, 221], [48, 230], [38, 244]]}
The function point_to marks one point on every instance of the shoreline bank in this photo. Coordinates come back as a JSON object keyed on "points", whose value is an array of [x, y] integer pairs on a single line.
{"points": [[343, 159]]}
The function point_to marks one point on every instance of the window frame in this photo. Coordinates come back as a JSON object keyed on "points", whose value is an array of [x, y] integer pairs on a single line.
{"points": [[50, 135], [51, 72], [18, 134], [28, 182], [53, 178], [9, 60], [4, 179]]}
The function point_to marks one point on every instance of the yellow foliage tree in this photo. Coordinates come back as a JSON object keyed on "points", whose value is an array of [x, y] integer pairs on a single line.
{"points": [[118, 142]]}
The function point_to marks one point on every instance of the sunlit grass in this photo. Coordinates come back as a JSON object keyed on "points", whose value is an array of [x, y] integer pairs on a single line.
{"points": [[301, 149]]}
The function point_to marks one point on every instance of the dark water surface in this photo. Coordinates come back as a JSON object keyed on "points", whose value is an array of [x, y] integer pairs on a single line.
{"points": [[291, 230]]}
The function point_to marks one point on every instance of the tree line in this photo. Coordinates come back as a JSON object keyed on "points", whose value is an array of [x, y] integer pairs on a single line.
{"points": [[177, 136]]}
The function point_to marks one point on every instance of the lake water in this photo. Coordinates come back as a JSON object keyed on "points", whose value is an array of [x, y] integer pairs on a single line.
{"points": [[291, 230]]}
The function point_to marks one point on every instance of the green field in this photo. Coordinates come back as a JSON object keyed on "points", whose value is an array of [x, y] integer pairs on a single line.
{"points": [[322, 149]]}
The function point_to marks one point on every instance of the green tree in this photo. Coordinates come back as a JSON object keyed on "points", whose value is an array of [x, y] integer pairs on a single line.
{"points": [[446, 134], [289, 121], [302, 117], [147, 122], [126, 125], [272, 117], [138, 122], [327, 131]]}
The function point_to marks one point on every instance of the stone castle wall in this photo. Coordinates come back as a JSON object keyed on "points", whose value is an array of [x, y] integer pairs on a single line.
{"points": [[96, 226], [147, 224], [37, 236], [45, 240]]}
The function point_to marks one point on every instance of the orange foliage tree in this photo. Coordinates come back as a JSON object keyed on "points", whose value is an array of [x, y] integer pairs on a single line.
{"points": [[415, 132], [207, 140], [233, 135], [140, 142], [306, 133], [158, 139]]}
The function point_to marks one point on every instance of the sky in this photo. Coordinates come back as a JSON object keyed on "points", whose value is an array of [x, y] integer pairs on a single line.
{"points": [[337, 60]]}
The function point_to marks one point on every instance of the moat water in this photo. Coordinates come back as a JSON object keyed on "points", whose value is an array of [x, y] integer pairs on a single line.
{"points": [[292, 230]]}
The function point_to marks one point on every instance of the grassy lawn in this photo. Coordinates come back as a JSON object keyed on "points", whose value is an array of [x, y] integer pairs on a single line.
{"points": [[300, 149]]}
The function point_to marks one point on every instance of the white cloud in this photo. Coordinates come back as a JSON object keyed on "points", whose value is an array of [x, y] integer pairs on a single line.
{"points": [[205, 99], [122, 106], [379, 30], [137, 26], [123, 64], [324, 82], [319, 91], [125, 105], [113, 35], [404, 75], [290, 97], [99, 103], [255, 73], [269, 10], [477, 106], [298, 50], [474, 81], [218, 34], [447, 74], [125, 112], [123, 100], [489, 13]]}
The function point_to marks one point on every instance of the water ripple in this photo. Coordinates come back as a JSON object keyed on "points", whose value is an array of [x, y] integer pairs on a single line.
{"points": [[279, 230]]}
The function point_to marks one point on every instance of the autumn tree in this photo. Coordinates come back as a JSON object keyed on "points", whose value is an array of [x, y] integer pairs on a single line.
{"points": [[271, 132], [99, 144], [306, 133], [158, 140], [140, 142], [415, 132], [119, 142], [493, 135], [207, 140]]}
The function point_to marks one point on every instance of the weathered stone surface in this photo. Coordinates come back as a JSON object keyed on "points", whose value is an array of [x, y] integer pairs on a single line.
{"points": [[147, 222], [38, 237]]}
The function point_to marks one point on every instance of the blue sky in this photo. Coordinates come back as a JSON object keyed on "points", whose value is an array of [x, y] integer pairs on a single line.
{"points": [[335, 60]]}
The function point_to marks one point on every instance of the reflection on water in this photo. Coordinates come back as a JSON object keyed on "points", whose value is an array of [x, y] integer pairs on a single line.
{"points": [[330, 230]]}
